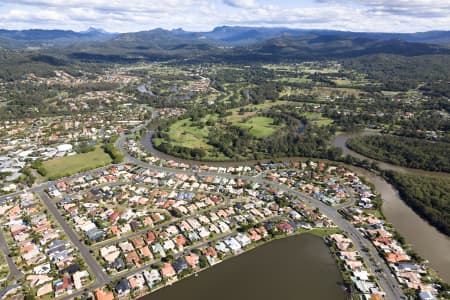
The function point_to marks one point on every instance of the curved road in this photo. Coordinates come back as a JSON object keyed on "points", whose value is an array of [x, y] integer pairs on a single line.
{"points": [[385, 278]]}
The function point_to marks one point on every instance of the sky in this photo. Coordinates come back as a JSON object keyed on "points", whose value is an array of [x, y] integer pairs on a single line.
{"points": [[203, 15]]}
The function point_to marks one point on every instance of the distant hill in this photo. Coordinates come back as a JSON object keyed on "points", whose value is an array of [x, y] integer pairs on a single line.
{"points": [[249, 35], [314, 46], [156, 39], [241, 44], [219, 36], [223, 44], [429, 37], [38, 38]]}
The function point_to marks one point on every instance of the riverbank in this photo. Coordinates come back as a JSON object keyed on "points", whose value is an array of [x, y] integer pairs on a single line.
{"points": [[403, 151], [340, 141], [428, 196], [423, 238], [417, 232]]}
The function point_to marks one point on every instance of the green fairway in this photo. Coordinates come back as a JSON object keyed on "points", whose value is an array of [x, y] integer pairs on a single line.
{"points": [[183, 133], [69, 165], [260, 127], [318, 119], [253, 109]]}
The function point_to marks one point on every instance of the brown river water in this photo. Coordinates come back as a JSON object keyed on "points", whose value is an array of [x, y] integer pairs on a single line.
{"points": [[428, 242], [298, 267]]}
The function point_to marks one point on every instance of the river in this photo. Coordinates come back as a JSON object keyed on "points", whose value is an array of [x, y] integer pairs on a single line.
{"points": [[298, 267], [340, 141], [426, 240]]}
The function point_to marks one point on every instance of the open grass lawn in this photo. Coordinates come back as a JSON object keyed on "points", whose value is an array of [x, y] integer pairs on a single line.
{"points": [[343, 82], [260, 127], [320, 71], [322, 232], [183, 133], [327, 91], [318, 119], [69, 165], [390, 93], [302, 79], [320, 91], [255, 108]]}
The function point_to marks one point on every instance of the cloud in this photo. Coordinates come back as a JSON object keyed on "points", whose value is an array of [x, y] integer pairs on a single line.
{"points": [[201, 15], [111, 5], [241, 3], [417, 8]]}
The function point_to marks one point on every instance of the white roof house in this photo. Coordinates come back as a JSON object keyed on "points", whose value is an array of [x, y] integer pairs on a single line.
{"points": [[64, 147]]}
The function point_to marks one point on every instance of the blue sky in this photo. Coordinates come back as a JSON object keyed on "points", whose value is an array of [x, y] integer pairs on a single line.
{"points": [[199, 15]]}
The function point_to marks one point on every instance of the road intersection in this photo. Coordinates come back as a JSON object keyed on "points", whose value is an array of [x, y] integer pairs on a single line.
{"points": [[375, 263]]}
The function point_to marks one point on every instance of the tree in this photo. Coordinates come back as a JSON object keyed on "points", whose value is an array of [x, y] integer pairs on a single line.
{"points": [[203, 262]]}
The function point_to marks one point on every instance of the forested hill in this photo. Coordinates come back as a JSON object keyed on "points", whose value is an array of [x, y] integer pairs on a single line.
{"points": [[223, 35], [326, 46], [400, 63], [165, 45], [38, 38], [399, 72], [223, 44], [248, 35]]}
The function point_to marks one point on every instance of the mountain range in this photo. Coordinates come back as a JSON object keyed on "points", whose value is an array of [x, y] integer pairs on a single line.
{"points": [[222, 36], [39, 38], [223, 44]]}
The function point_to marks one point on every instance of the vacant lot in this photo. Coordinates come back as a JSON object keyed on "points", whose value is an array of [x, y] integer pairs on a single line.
{"points": [[69, 165]]}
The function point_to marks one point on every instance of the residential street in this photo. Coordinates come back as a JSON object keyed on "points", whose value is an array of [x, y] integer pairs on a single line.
{"points": [[387, 282], [14, 273], [385, 278], [94, 266]]}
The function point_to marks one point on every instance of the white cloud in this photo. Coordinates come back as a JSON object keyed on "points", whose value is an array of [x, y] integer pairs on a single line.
{"points": [[241, 3], [199, 15], [418, 8]]}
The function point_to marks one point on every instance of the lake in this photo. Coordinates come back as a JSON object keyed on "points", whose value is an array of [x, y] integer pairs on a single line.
{"points": [[298, 267]]}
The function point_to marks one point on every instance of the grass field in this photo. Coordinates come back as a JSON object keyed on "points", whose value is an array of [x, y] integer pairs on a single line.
{"points": [[183, 133], [318, 119], [255, 108], [320, 92], [69, 165], [260, 127], [302, 79]]}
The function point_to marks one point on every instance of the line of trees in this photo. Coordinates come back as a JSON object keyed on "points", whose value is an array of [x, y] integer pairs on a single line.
{"points": [[297, 137], [428, 196], [115, 154], [403, 151]]}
